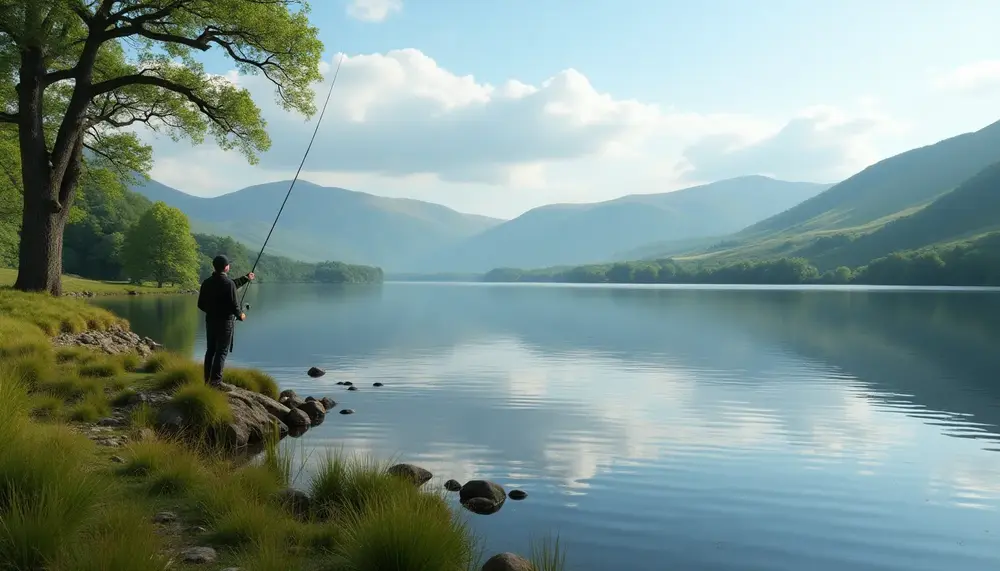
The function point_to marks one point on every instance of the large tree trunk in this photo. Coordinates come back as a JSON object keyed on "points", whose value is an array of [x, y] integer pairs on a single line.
{"points": [[40, 263], [49, 178]]}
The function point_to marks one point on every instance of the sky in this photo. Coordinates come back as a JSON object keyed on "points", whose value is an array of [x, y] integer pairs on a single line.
{"points": [[495, 108]]}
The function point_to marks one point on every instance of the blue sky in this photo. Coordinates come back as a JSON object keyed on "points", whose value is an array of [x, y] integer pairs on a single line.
{"points": [[664, 94]]}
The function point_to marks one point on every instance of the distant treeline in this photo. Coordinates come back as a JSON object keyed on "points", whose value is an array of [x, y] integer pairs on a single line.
{"points": [[974, 263], [96, 244], [279, 268]]}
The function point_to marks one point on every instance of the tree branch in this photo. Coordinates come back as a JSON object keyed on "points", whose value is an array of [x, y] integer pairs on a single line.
{"points": [[9, 117], [209, 110]]}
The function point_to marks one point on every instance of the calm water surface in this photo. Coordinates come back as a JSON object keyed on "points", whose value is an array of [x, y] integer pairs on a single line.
{"points": [[659, 429]]}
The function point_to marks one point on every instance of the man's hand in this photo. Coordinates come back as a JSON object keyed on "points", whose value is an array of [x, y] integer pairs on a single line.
{"points": [[243, 316], [250, 276]]}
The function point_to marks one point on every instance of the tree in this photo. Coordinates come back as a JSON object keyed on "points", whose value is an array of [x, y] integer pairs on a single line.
{"points": [[160, 247], [72, 89]]}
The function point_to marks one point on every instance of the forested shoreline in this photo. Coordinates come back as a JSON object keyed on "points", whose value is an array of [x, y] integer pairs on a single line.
{"points": [[973, 263]]}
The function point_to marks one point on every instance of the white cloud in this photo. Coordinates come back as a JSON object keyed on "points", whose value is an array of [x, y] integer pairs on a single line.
{"points": [[970, 77], [373, 10], [821, 143], [400, 124]]}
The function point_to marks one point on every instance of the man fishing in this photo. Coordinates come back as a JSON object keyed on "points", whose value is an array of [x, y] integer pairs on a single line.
{"points": [[217, 299]]}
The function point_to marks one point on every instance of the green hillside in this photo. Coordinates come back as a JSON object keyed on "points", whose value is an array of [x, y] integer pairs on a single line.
{"points": [[885, 192]]}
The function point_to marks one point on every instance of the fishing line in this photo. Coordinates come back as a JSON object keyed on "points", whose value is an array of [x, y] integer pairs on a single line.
{"points": [[297, 172]]}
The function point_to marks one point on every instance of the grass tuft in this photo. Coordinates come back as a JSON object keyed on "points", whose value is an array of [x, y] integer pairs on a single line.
{"points": [[421, 533], [546, 555], [46, 497], [343, 482], [92, 408], [178, 374], [252, 380], [105, 368], [203, 406], [75, 355], [122, 539], [160, 361]]}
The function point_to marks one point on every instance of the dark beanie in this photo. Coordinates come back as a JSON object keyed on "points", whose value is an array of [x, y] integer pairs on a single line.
{"points": [[220, 262]]}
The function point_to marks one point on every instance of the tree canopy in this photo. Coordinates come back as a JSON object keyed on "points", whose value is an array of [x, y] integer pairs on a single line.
{"points": [[77, 77], [160, 247]]}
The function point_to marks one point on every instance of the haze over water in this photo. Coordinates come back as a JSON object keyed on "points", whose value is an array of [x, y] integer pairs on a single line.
{"points": [[661, 428]]}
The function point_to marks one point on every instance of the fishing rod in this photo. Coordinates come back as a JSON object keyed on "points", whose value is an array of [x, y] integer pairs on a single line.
{"points": [[302, 163]]}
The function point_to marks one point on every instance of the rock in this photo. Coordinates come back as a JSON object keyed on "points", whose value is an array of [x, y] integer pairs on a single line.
{"points": [[117, 459], [285, 394], [348, 383], [315, 411], [452, 485], [294, 401], [115, 340], [198, 555], [197, 529], [376, 384], [310, 398], [297, 418], [340, 382], [328, 403], [109, 442], [252, 422], [111, 421], [507, 562], [415, 474], [481, 506], [165, 517], [517, 494], [482, 496], [315, 372], [273, 407], [347, 411], [295, 501], [352, 388]]}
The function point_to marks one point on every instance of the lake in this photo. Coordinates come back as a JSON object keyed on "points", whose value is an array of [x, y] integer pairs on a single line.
{"points": [[660, 428]]}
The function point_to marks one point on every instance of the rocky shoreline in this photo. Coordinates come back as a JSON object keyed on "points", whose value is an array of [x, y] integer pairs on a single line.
{"points": [[255, 417], [88, 293]]}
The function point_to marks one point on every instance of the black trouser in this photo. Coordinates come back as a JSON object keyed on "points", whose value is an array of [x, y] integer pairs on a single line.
{"points": [[218, 340]]}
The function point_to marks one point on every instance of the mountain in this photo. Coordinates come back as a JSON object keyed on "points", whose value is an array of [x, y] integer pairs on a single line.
{"points": [[570, 234], [891, 189], [326, 223], [963, 214]]}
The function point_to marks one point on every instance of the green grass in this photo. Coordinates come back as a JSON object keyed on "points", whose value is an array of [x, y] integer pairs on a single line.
{"points": [[160, 361], [546, 555], [202, 405], [92, 408], [72, 284], [103, 369], [252, 380], [419, 533], [178, 374], [342, 483], [55, 315]]}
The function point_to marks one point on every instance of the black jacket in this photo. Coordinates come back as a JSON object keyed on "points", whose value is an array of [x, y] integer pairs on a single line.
{"points": [[217, 297]]}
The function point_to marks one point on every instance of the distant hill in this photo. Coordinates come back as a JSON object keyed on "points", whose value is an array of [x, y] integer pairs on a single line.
{"points": [[891, 189], [968, 212], [568, 234], [327, 223]]}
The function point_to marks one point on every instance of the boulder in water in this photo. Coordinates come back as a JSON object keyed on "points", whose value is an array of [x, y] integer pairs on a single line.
{"points": [[315, 372], [507, 562], [482, 496], [415, 474]]}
